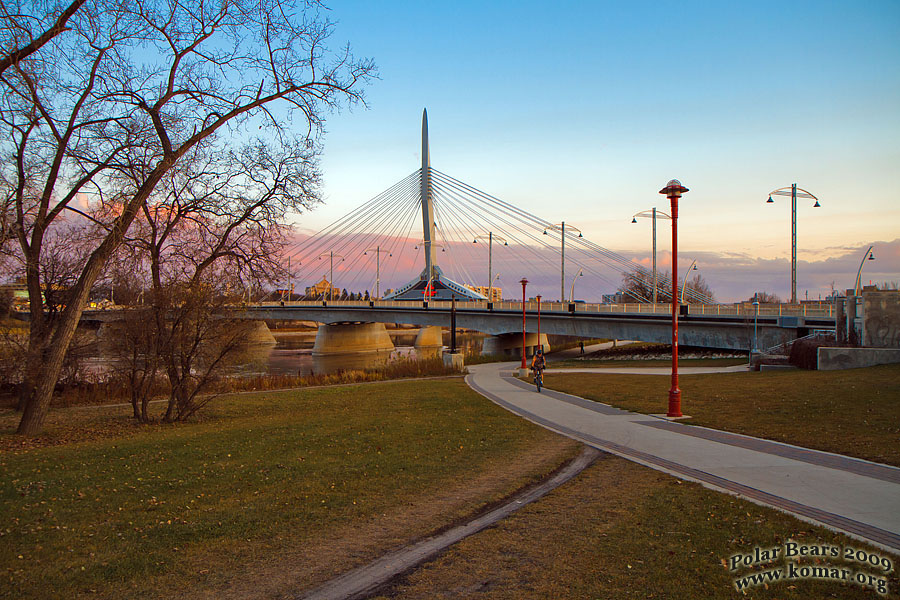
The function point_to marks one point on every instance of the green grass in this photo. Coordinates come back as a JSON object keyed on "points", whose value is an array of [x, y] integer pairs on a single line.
{"points": [[262, 481], [621, 530], [855, 412]]}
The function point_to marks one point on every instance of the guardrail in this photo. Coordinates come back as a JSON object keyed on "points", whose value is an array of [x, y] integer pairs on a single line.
{"points": [[579, 307]]}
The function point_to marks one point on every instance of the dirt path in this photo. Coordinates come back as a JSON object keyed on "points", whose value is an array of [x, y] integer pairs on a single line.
{"points": [[366, 580]]}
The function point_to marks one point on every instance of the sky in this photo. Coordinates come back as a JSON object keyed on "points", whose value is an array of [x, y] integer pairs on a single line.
{"points": [[582, 111]]}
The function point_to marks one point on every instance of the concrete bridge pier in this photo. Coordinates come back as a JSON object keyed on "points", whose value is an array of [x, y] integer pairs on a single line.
{"points": [[347, 338], [260, 334], [510, 344], [429, 338]]}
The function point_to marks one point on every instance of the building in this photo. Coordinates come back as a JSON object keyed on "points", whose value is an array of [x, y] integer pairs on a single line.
{"points": [[323, 289], [496, 293]]}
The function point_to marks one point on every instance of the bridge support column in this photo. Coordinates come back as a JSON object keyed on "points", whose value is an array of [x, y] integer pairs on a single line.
{"points": [[429, 338], [260, 334], [510, 344], [347, 338]]}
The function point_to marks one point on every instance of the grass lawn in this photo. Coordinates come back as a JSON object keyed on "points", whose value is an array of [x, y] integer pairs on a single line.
{"points": [[267, 494], [687, 362], [855, 412], [621, 530]]}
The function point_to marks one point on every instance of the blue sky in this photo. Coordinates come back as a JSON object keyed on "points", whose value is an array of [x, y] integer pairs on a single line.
{"points": [[581, 111]]}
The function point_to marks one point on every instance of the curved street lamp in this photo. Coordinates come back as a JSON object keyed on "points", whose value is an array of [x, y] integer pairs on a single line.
{"points": [[652, 214], [561, 228], [572, 290], [867, 256], [693, 267], [792, 191]]}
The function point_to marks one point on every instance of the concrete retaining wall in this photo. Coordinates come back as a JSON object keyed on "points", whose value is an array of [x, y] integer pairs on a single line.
{"points": [[881, 318], [832, 359]]}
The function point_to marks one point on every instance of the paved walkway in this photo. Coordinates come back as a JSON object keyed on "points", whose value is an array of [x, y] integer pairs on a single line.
{"points": [[857, 497]]}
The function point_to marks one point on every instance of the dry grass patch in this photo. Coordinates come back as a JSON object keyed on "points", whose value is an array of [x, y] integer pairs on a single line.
{"points": [[621, 530], [268, 494]]}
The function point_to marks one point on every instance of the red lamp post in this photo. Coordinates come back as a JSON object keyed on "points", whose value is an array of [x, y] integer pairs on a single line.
{"points": [[673, 192], [540, 345], [524, 282]]}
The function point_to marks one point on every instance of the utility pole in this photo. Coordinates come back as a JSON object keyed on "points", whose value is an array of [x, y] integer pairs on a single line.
{"points": [[377, 251], [561, 228]]}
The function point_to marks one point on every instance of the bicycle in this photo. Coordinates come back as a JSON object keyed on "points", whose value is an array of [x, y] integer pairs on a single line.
{"points": [[538, 379]]}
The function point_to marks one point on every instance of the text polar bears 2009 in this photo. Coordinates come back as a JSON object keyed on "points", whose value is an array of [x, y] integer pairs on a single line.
{"points": [[821, 554]]}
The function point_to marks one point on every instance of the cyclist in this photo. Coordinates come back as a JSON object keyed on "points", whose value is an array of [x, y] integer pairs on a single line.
{"points": [[538, 362]]}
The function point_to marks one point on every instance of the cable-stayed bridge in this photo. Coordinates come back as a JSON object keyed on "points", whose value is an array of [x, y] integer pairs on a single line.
{"points": [[452, 264], [435, 264], [433, 236]]}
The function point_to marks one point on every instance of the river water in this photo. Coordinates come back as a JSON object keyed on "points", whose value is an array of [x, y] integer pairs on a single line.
{"points": [[292, 354]]}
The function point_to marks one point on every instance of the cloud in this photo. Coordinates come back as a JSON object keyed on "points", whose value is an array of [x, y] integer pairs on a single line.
{"points": [[731, 275]]}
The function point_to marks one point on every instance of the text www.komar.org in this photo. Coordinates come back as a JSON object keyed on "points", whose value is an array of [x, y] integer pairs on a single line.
{"points": [[792, 571]]}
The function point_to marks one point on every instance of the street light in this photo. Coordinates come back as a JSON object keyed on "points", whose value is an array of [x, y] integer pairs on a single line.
{"points": [[377, 250], [652, 214], [572, 290], [793, 193], [490, 238], [331, 256], [693, 267], [524, 282], [755, 319], [561, 228], [673, 192], [867, 256]]}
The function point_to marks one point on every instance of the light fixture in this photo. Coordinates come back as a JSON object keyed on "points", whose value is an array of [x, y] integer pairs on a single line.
{"points": [[817, 205], [634, 219], [770, 201]]}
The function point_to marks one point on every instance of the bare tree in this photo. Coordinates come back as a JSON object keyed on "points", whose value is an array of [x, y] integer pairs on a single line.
{"points": [[18, 36], [638, 284], [637, 287], [702, 293], [97, 116], [213, 226], [765, 298]]}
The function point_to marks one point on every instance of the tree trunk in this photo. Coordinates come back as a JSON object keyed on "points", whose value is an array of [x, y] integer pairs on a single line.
{"points": [[63, 330]]}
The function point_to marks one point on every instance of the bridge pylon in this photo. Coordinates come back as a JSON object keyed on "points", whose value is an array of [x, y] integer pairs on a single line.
{"points": [[431, 284]]}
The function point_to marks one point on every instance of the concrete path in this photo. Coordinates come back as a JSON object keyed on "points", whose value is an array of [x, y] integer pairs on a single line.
{"points": [[854, 496]]}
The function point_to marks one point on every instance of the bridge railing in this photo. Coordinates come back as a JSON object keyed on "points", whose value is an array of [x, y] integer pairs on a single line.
{"points": [[806, 310]]}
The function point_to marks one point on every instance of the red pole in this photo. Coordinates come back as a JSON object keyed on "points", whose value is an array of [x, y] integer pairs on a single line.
{"points": [[524, 282], [673, 191], [540, 345]]}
